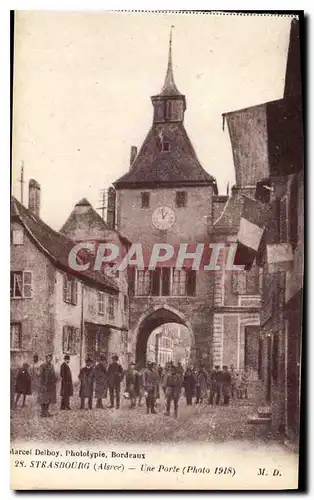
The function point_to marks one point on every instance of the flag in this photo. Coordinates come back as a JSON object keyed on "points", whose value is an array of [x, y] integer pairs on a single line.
{"points": [[253, 221], [279, 257]]}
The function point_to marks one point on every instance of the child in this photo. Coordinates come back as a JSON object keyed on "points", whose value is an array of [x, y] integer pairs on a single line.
{"points": [[23, 384]]}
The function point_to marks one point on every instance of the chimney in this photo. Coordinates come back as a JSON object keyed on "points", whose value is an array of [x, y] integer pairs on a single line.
{"points": [[111, 208], [34, 197], [133, 155]]}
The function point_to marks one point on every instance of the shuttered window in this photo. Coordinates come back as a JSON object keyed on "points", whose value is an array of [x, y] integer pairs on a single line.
{"points": [[69, 289], [179, 282], [70, 339], [16, 335], [143, 282], [111, 307], [101, 303]]}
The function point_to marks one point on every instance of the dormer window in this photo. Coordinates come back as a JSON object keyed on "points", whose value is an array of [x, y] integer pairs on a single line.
{"points": [[165, 146], [181, 198], [145, 200]]}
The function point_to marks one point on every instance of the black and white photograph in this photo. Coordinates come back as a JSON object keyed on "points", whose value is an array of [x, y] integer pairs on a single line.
{"points": [[157, 250]]}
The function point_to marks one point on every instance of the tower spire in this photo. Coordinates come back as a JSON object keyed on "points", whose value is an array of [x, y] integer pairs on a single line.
{"points": [[169, 87]]}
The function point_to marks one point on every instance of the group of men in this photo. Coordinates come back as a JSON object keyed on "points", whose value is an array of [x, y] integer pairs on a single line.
{"points": [[96, 379]]}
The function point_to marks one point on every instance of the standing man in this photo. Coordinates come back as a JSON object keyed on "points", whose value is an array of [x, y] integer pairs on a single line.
{"points": [[66, 384], [226, 384], [173, 389], [132, 384], [87, 379], [201, 385], [150, 382], [101, 381], [115, 377], [189, 385], [23, 384], [233, 382], [215, 385], [47, 393]]}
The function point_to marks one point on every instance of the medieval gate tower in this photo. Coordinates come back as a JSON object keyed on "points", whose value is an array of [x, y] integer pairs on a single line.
{"points": [[166, 197]]}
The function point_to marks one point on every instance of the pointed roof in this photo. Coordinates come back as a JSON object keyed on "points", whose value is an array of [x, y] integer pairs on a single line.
{"points": [[169, 87], [83, 217], [56, 246], [177, 167]]}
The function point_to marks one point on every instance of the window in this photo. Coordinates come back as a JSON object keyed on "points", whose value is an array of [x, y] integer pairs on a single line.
{"points": [[283, 220], [101, 303], [181, 198], [18, 236], [21, 284], [246, 282], [16, 335], [112, 270], [145, 200], [179, 282], [111, 307], [165, 146], [275, 357], [168, 105], [191, 283], [155, 282], [143, 282], [293, 213], [165, 280], [70, 339], [69, 289], [125, 302]]}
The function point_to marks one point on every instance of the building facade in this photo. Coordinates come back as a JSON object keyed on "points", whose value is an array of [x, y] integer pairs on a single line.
{"points": [[53, 308]]}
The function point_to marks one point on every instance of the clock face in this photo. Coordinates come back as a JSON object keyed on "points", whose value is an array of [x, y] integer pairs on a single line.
{"points": [[163, 218]]}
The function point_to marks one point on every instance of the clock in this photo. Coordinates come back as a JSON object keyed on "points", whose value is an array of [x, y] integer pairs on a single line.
{"points": [[163, 218]]}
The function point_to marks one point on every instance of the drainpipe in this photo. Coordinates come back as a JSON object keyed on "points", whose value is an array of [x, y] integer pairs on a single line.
{"points": [[82, 327]]}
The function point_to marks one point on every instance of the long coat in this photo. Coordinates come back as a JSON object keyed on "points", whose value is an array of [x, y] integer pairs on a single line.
{"points": [[47, 393], [173, 386], [23, 383], [101, 381], [115, 374], [66, 381], [202, 383], [132, 383], [189, 383], [87, 378]]}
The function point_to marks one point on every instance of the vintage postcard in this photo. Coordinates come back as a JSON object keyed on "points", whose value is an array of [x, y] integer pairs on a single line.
{"points": [[156, 251]]}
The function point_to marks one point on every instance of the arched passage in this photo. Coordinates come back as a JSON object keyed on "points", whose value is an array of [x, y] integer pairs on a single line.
{"points": [[153, 319]]}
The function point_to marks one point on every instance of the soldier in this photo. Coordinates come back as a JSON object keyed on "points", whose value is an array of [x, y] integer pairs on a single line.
{"points": [[23, 384], [150, 382], [215, 385], [173, 388], [66, 384], [132, 384], [115, 377], [101, 381], [201, 385], [87, 378], [189, 385], [47, 393], [225, 384]]}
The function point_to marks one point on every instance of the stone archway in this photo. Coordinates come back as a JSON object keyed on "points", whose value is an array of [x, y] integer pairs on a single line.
{"points": [[152, 319]]}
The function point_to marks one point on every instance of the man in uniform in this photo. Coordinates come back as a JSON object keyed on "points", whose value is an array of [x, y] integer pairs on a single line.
{"points": [[115, 377], [173, 389], [47, 386], [150, 382]]}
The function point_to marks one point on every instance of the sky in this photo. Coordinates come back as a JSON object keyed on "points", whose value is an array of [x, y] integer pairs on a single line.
{"points": [[83, 81]]}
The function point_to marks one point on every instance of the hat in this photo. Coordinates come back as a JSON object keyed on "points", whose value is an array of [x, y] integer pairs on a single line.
{"points": [[217, 367], [66, 357], [89, 360], [115, 357], [225, 366]]}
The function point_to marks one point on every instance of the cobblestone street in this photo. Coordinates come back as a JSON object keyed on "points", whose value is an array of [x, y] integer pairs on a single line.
{"points": [[196, 423]]}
